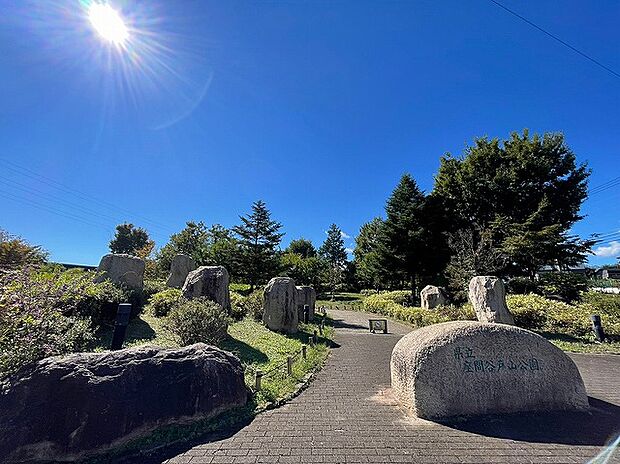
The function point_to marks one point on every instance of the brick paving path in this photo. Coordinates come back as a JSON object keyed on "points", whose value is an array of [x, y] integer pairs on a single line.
{"points": [[348, 416]]}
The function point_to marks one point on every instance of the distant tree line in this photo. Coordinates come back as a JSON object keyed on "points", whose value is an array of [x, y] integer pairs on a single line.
{"points": [[503, 208]]}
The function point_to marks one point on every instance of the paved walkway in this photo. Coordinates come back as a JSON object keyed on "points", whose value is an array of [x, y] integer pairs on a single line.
{"points": [[347, 415]]}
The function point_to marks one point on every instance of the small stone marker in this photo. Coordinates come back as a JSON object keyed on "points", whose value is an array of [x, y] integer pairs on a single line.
{"points": [[431, 297], [122, 269], [180, 267], [468, 368], [210, 282], [488, 297], [280, 311], [375, 325]]}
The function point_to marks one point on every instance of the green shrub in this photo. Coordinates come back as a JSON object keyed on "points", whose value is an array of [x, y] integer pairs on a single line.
{"points": [[604, 304], [247, 305], [163, 302], [522, 286], [37, 320], [565, 285], [536, 312], [387, 305], [153, 286], [198, 320]]}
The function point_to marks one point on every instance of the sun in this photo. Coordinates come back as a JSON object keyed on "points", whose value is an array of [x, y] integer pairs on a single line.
{"points": [[108, 23]]}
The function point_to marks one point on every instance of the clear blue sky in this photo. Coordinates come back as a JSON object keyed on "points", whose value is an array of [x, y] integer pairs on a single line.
{"points": [[316, 107]]}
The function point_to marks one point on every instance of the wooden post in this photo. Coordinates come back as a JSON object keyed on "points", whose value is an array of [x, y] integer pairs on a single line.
{"points": [[311, 340], [304, 351], [315, 337], [289, 365], [259, 376]]}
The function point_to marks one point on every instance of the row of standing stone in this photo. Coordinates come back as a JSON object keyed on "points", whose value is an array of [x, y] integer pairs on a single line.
{"points": [[283, 301]]}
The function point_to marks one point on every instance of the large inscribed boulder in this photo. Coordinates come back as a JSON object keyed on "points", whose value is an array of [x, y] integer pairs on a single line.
{"points": [[488, 297], [62, 408], [180, 267], [280, 305], [210, 282], [431, 297], [122, 269], [306, 295], [473, 368]]}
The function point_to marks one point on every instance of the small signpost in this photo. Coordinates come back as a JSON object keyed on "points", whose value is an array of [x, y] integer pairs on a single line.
{"points": [[597, 327], [378, 325], [120, 326]]}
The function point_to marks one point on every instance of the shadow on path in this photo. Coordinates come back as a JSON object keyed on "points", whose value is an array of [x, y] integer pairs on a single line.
{"points": [[594, 428]]}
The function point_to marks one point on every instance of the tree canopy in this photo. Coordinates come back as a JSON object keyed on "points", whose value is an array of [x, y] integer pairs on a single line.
{"points": [[259, 239], [131, 240]]}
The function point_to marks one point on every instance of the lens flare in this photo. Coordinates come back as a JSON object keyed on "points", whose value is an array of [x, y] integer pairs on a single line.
{"points": [[108, 23]]}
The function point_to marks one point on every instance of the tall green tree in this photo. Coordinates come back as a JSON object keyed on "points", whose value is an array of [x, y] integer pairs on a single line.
{"points": [[223, 249], [302, 247], [193, 241], [526, 191], [131, 240], [403, 250], [259, 239], [334, 253], [368, 267]]}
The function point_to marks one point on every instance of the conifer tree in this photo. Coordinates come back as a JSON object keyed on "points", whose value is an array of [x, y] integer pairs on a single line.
{"points": [[404, 237], [259, 238], [335, 256]]}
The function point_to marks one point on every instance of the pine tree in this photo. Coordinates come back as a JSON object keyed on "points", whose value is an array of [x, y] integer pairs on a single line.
{"points": [[335, 255], [259, 238], [402, 251]]}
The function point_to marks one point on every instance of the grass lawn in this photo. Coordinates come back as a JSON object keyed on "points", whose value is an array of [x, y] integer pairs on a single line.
{"points": [[257, 347]]}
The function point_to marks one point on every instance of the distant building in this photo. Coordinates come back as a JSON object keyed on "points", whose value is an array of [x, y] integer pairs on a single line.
{"points": [[77, 266], [608, 273]]}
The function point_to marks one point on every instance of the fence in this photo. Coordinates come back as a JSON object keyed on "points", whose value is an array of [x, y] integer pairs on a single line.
{"points": [[290, 360]]}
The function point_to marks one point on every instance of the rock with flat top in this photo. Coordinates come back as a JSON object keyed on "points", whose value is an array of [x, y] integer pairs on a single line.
{"points": [[180, 267], [122, 269], [306, 296]]}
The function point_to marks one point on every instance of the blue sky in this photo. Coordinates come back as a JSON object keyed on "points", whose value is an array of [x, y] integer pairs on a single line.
{"points": [[315, 107]]}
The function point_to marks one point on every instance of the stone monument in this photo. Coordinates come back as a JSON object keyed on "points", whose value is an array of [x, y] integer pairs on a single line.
{"points": [[488, 297], [180, 267], [466, 368], [431, 297], [122, 269], [306, 295], [280, 310], [210, 282]]}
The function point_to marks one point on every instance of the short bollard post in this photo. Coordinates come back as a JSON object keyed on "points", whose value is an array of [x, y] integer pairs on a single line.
{"points": [[306, 314], [259, 377], [120, 326], [315, 337], [304, 351], [311, 340], [289, 365], [597, 327], [321, 329]]}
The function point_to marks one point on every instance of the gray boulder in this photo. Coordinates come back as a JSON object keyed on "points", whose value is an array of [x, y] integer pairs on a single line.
{"points": [[306, 295], [488, 297], [180, 267], [210, 282], [62, 408], [431, 297], [122, 269], [468, 368], [280, 305]]}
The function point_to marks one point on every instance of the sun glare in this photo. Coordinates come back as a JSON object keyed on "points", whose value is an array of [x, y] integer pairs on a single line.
{"points": [[108, 23]]}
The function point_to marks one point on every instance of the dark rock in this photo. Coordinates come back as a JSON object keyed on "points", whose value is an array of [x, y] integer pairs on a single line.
{"points": [[67, 407]]}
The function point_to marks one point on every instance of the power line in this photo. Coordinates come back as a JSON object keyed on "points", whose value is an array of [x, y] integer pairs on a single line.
{"points": [[605, 186], [84, 196], [556, 38]]}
